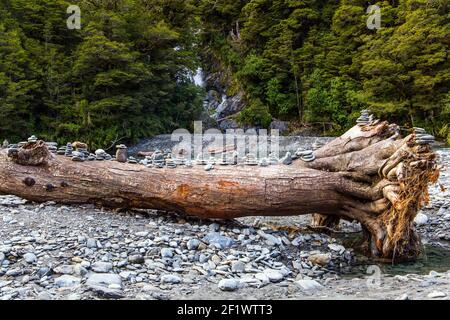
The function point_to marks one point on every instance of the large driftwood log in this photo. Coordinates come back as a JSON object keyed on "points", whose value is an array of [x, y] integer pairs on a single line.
{"points": [[370, 174]]}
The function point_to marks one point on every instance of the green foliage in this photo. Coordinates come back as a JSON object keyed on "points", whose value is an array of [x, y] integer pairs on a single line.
{"points": [[316, 61], [123, 75], [257, 113]]}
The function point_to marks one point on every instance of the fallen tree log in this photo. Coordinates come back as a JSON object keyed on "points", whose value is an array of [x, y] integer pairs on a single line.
{"points": [[369, 174]]}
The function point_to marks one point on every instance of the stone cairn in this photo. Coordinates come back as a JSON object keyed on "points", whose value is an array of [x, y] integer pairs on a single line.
{"points": [[121, 153], [305, 154], [422, 137], [78, 152], [365, 118], [157, 159]]}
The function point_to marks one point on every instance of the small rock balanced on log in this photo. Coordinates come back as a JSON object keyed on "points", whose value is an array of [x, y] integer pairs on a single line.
{"points": [[121, 153]]}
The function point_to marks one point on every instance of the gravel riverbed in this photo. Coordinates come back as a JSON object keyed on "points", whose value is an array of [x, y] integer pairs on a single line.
{"points": [[53, 251]]}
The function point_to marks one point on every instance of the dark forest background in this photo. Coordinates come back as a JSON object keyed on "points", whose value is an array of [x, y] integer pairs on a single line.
{"points": [[127, 73]]}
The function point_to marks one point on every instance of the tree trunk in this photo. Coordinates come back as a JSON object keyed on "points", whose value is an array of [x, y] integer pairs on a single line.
{"points": [[369, 174]]}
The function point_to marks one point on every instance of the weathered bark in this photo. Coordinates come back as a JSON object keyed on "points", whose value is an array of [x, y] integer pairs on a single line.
{"points": [[369, 174]]}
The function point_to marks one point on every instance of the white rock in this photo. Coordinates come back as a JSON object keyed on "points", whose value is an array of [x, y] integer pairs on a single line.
{"points": [[103, 280], [44, 295], [309, 285], [170, 278], [262, 277], [67, 281], [433, 274], [336, 247], [270, 238], [273, 275], [107, 285], [91, 243], [64, 269], [237, 266], [228, 284], [74, 296], [421, 219], [99, 152], [142, 234], [127, 274], [437, 294], [166, 253], [30, 257], [79, 270], [102, 267], [193, 244]]}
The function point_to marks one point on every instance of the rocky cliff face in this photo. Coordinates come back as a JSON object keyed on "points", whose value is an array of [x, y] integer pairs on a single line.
{"points": [[220, 107]]}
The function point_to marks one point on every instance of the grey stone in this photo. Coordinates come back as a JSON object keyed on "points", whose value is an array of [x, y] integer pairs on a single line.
{"points": [[136, 259], [403, 297], [142, 234], [262, 277], [30, 257], [64, 269], [193, 244], [309, 285], [107, 285], [79, 270], [217, 239], [436, 294], [336, 247], [273, 275], [272, 239], [100, 152], [170, 278], [44, 295], [228, 284], [166, 253], [214, 227], [104, 279], [287, 159], [421, 219], [74, 296], [237, 266], [44, 271], [91, 243], [66, 281], [101, 267], [2, 258]]}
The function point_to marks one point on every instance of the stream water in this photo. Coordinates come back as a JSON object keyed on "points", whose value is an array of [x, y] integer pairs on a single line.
{"points": [[434, 256]]}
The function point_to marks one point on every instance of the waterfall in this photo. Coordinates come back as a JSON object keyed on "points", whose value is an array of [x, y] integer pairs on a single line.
{"points": [[198, 78], [221, 107]]}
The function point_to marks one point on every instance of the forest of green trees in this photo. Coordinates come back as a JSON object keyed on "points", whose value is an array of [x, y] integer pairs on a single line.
{"points": [[127, 73]]}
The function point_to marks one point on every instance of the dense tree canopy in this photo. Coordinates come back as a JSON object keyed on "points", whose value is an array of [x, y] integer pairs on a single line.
{"points": [[126, 73], [317, 61]]}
